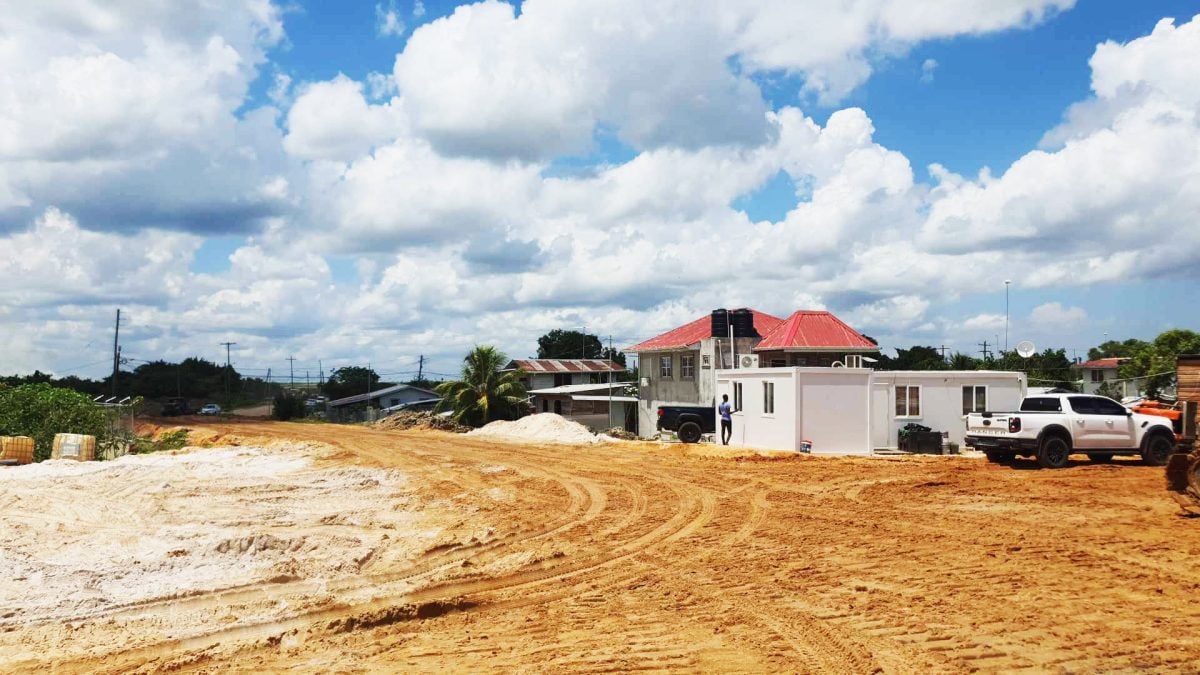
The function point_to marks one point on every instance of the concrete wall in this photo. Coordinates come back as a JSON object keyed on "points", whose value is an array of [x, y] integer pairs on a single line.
{"points": [[941, 399], [655, 390]]}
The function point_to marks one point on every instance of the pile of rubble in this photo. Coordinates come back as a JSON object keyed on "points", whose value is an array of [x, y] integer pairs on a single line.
{"points": [[409, 419]]}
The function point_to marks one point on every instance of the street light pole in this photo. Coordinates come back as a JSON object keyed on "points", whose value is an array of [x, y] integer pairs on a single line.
{"points": [[1006, 283]]}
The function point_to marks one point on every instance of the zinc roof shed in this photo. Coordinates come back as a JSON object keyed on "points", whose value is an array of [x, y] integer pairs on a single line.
{"points": [[564, 366], [692, 333], [816, 331]]}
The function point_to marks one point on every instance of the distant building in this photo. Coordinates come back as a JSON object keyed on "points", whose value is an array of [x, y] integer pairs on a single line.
{"points": [[598, 407], [1098, 371], [546, 373], [355, 408]]}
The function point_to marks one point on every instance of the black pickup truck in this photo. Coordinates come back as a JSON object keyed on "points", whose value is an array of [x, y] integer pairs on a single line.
{"points": [[688, 422]]}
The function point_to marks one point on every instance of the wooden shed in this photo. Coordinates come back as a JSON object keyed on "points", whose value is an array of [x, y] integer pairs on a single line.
{"points": [[1187, 368]]}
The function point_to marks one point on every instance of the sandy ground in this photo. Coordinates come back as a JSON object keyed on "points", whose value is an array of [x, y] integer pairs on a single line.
{"points": [[346, 549]]}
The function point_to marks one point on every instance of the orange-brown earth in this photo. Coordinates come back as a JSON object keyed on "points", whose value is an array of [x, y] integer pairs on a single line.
{"points": [[640, 556]]}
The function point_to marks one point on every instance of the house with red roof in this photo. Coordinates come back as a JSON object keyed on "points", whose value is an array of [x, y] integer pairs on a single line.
{"points": [[679, 366], [1098, 371]]}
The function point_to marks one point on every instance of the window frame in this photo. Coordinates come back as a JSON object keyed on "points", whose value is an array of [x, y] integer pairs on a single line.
{"points": [[737, 397], [1097, 376], [907, 408], [975, 408], [768, 398], [665, 367], [687, 362]]}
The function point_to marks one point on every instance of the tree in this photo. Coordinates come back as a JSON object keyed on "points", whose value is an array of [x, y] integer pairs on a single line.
{"points": [[484, 393], [1048, 368], [570, 344], [914, 358], [1115, 349], [350, 381], [959, 361], [1156, 361]]}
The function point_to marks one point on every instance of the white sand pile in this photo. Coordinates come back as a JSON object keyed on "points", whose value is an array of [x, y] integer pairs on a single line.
{"points": [[79, 538], [544, 427]]}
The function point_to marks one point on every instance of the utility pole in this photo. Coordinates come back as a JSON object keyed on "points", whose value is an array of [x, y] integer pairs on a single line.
{"points": [[986, 354], [610, 388], [116, 353], [420, 367], [942, 349], [267, 388], [1006, 283], [320, 373], [306, 381], [227, 366], [368, 410], [291, 372]]}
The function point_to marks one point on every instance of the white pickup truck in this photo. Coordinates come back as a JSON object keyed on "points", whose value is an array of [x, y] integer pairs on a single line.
{"points": [[1050, 427]]}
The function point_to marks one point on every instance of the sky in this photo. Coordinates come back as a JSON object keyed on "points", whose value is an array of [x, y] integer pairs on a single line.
{"points": [[348, 183]]}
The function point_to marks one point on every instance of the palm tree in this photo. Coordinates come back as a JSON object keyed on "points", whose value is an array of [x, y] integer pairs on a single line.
{"points": [[484, 393]]}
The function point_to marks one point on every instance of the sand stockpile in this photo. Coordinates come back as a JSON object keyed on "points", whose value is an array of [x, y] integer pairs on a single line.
{"points": [[407, 419], [544, 427], [79, 539]]}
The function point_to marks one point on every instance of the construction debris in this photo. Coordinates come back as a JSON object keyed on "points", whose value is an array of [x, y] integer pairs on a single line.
{"points": [[409, 419]]}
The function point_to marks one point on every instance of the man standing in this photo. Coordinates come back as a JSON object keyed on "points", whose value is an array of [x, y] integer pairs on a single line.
{"points": [[726, 419]]}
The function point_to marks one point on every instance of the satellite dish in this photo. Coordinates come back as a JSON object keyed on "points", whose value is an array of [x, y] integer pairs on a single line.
{"points": [[1025, 349]]}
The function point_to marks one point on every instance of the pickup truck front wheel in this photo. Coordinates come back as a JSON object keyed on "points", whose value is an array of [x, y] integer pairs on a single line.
{"points": [[1157, 449], [689, 432], [1053, 452]]}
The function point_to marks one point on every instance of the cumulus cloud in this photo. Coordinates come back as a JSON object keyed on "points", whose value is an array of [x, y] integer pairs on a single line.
{"points": [[332, 120], [1113, 195], [1056, 315]]}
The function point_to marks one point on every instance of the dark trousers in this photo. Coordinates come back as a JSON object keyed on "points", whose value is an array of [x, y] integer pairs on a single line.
{"points": [[726, 431]]}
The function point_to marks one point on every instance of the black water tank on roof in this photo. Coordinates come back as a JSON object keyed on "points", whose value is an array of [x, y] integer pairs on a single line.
{"points": [[720, 323], [743, 323]]}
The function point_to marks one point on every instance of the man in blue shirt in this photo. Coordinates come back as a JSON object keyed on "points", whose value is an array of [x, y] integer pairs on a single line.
{"points": [[726, 411]]}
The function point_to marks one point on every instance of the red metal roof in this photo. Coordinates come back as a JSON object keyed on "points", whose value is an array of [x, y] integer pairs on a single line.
{"points": [[565, 366], [814, 330], [1102, 364], [692, 333]]}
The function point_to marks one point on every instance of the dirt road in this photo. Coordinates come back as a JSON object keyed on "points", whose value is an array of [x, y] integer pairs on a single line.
{"points": [[637, 556]]}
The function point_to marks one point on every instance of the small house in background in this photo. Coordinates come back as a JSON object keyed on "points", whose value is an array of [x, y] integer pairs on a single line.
{"points": [[598, 407], [366, 406], [1098, 371], [546, 373]]}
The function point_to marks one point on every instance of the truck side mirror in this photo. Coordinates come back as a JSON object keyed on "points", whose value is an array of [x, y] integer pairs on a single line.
{"points": [[1128, 412]]}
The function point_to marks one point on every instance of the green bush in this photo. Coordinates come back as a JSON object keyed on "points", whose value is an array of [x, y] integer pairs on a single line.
{"points": [[40, 411], [287, 407]]}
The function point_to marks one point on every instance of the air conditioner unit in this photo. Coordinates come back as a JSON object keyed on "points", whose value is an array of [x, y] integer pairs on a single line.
{"points": [[748, 361]]}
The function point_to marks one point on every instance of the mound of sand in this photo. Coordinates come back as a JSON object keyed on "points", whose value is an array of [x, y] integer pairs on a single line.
{"points": [[544, 427]]}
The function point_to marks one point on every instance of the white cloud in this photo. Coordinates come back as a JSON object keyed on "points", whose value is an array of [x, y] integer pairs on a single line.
{"points": [[418, 9], [928, 66], [1055, 315], [332, 120], [387, 20], [1111, 198], [984, 322], [487, 81]]}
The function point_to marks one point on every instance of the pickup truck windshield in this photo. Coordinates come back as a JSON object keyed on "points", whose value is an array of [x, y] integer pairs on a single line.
{"points": [[1041, 404]]}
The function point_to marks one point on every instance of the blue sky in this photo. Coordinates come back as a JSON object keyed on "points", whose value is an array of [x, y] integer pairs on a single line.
{"points": [[356, 170]]}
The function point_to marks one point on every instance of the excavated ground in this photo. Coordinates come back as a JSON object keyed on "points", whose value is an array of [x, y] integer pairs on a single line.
{"points": [[426, 551]]}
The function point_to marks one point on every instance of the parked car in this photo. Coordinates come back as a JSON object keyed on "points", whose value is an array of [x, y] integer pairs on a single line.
{"points": [[689, 422], [210, 409], [1050, 427], [175, 406]]}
